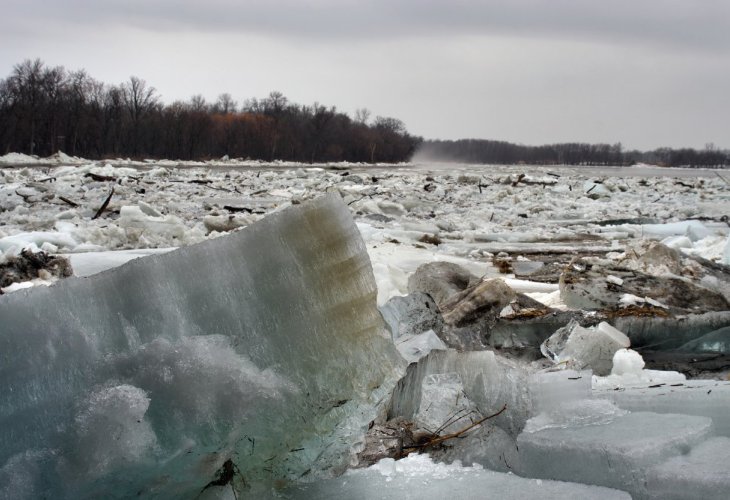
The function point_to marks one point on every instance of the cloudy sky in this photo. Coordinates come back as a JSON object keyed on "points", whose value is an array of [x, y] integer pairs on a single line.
{"points": [[647, 73]]}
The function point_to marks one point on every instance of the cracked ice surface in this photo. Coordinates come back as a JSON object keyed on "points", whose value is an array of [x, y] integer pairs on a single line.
{"points": [[147, 378]]}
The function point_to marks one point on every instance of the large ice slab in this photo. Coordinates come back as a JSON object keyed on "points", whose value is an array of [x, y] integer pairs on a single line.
{"points": [[418, 477], [706, 398], [144, 380], [614, 454], [703, 473]]}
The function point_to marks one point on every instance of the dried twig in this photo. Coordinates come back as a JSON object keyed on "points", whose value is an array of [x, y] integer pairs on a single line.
{"points": [[436, 440]]}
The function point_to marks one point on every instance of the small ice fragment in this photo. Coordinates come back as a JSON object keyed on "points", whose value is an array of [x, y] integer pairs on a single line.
{"points": [[579, 347], [414, 347], [614, 279], [627, 361]]}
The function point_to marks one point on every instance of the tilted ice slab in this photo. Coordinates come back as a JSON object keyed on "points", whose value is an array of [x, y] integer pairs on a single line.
{"points": [[418, 477], [264, 347], [488, 381], [614, 454]]}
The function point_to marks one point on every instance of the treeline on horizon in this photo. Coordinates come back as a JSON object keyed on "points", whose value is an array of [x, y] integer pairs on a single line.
{"points": [[47, 109], [500, 152]]}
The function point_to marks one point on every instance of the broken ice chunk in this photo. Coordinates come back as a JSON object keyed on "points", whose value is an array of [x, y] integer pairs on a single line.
{"points": [[244, 347], [579, 347], [703, 473], [615, 454], [614, 279], [136, 222], [628, 370], [412, 314], [414, 347]]}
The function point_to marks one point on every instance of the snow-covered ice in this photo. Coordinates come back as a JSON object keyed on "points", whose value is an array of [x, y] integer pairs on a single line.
{"points": [[418, 476]]}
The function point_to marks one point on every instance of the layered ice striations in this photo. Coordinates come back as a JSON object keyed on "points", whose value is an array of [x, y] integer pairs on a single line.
{"points": [[264, 348]]}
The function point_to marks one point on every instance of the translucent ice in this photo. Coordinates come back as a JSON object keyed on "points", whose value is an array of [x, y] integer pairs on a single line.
{"points": [[716, 341], [580, 347], [614, 454], [411, 315], [550, 391], [414, 347], [488, 381], [564, 399], [444, 407], [144, 380]]}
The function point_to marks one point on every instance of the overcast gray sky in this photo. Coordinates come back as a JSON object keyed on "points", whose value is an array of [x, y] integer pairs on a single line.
{"points": [[647, 73]]}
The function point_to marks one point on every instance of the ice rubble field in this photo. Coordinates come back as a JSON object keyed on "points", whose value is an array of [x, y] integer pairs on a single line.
{"points": [[659, 436], [474, 211]]}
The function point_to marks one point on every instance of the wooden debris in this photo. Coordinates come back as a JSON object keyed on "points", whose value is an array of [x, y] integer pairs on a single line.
{"points": [[234, 210], [100, 178], [430, 239], [67, 201], [104, 205]]}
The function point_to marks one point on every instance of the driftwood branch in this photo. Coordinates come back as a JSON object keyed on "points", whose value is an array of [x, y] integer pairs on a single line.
{"points": [[67, 201], [100, 178], [104, 205]]}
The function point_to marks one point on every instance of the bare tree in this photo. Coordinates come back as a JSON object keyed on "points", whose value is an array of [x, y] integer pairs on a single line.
{"points": [[225, 104], [139, 100], [198, 104], [362, 115]]}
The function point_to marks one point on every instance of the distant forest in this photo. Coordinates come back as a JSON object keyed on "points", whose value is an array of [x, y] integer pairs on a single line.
{"points": [[46, 109], [499, 152]]}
